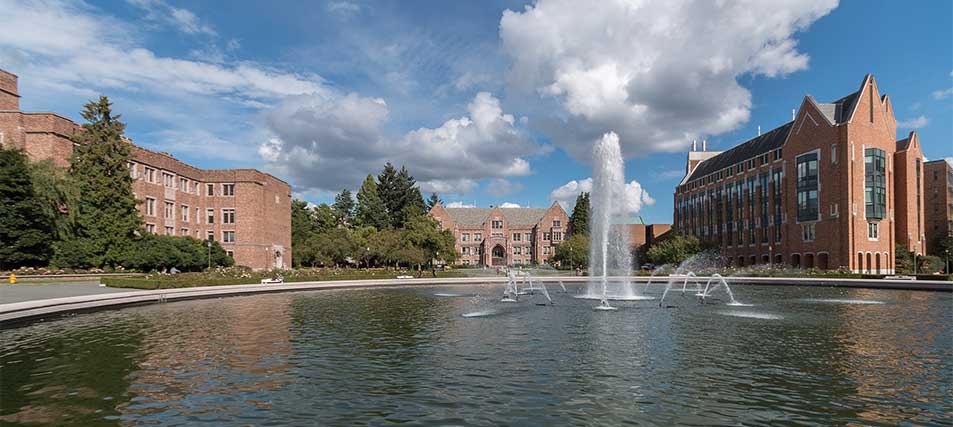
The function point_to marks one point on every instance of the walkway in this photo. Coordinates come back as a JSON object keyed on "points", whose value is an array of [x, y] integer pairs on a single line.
{"points": [[39, 291]]}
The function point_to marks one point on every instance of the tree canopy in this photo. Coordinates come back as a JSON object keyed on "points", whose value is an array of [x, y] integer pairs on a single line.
{"points": [[579, 219], [106, 216]]}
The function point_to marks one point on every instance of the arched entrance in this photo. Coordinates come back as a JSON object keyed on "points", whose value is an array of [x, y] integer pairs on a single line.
{"points": [[823, 261], [796, 260], [498, 256], [808, 260]]}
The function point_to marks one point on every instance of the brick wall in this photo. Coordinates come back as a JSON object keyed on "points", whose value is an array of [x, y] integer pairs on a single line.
{"points": [[938, 205], [262, 203]]}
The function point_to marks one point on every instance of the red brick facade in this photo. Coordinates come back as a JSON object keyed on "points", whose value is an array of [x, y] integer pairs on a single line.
{"points": [[504, 236], [938, 208], [797, 194], [250, 211]]}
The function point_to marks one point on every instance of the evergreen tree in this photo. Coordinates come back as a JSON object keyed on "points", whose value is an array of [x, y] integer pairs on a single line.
{"points": [[344, 208], [371, 211], [324, 218], [58, 195], [302, 228], [25, 233], [106, 217], [410, 199], [387, 190], [579, 220], [432, 201]]}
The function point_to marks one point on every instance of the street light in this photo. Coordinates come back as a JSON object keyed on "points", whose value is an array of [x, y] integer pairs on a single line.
{"points": [[209, 243]]}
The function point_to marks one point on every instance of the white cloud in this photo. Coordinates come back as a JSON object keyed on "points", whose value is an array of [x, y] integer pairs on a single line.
{"points": [[915, 123], [343, 8], [332, 142], [180, 19], [509, 205], [459, 205], [943, 94], [635, 196], [72, 45], [500, 187], [659, 73]]}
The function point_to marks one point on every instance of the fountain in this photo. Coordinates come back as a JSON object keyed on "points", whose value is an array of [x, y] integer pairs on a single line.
{"points": [[609, 248], [511, 292], [720, 284]]}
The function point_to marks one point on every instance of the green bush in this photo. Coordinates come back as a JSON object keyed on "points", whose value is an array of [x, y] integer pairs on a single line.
{"points": [[151, 252]]}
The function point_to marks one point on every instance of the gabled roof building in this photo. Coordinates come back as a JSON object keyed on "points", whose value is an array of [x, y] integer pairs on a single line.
{"points": [[832, 188], [499, 236]]}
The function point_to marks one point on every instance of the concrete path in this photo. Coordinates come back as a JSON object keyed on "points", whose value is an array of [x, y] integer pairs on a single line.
{"points": [[38, 291]]}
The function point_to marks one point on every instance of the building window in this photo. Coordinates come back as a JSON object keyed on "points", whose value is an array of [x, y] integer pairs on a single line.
{"points": [[875, 183], [183, 185], [210, 216], [228, 189], [807, 232], [557, 236], [546, 250], [170, 210], [872, 230], [150, 206], [150, 175], [497, 223], [151, 228], [465, 237], [228, 216], [168, 179], [516, 237], [834, 154], [184, 232], [198, 216], [478, 237], [132, 170], [209, 189], [527, 237], [807, 187], [231, 254], [228, 237], [210, 235], [169, 231], [185, 213], [557, 223]]}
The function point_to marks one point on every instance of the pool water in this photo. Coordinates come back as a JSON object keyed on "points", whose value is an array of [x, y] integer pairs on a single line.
{"points": [[456, 355]]}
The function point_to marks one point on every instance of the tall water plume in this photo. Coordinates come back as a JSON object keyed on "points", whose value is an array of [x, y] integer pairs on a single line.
{"points": [[609, 246]]}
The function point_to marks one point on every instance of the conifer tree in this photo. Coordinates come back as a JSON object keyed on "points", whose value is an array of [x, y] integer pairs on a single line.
{"points": [[371, 211], [579, 219], [106, 219], [433, 201], [344, 208], [25, 234]]}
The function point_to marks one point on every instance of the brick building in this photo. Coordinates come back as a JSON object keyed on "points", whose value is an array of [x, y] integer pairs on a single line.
{"points": [[643, 235], [247, 211], [831, 188], [938, 207], [504, 236]]}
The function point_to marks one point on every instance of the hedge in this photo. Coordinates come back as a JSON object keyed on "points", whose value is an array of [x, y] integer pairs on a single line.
{"points": [[188, 280]]}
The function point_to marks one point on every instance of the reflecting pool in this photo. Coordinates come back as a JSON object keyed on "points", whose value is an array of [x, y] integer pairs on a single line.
{"points": [[456, 355]]}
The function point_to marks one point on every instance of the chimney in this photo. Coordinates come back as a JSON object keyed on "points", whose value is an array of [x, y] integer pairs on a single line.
{"points": [[759, 130], [694, 145], [704, 145]]}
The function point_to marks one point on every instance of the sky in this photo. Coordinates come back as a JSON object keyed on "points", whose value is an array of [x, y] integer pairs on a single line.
{"points": [[486, 103]]}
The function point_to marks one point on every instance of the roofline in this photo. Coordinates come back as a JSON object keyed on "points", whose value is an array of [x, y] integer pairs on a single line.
{"points": [[818, 108], [853, 108]]}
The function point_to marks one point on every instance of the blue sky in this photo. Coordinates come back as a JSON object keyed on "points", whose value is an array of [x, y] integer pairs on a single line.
{"points": [[485, 102]]}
